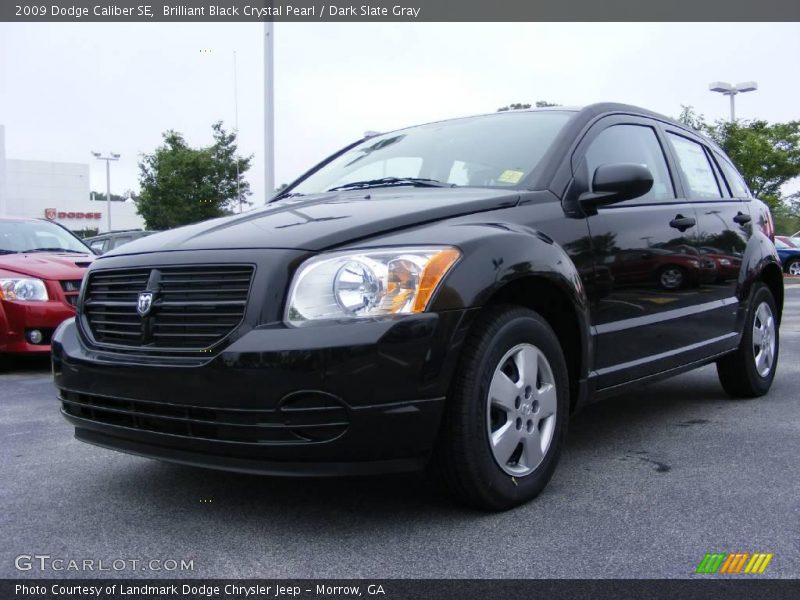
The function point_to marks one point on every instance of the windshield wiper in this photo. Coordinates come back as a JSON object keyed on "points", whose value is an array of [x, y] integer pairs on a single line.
{"points": [[390, 181], [55, 250], [286, 195]]}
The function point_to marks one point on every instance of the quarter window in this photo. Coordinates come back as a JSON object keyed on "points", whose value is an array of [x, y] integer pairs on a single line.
{"points": [[632, 144], [696, 168], [735, 181]]}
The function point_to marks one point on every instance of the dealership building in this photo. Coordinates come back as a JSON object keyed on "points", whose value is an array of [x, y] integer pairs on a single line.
{"points": [[59, 192]]}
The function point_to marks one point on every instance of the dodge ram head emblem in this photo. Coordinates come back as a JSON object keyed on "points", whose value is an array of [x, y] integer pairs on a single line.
{"points": [[144, 304]]}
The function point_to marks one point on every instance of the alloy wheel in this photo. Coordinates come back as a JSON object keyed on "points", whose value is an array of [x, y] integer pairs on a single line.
{"points": [[671, 278], [764, 339], [521, 411]]}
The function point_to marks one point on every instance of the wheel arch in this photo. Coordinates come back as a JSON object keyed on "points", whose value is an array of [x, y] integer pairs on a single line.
{"points": [[548, 298], [505, 262], [772, 276]]}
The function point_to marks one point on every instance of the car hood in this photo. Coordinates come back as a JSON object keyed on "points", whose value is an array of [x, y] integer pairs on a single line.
{"points": [[55, 266], [321, 221]]}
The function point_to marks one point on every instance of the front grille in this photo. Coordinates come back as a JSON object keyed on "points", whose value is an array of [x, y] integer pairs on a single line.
{"points": [[192, 307], [71, 288], [289, 424]]}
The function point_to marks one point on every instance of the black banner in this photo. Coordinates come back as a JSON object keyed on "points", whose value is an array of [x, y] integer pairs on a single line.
{"points": [[394, 589], [397, 10]]}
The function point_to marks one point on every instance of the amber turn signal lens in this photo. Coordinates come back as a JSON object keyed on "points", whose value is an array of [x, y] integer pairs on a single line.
{"points": [[434, 272]]}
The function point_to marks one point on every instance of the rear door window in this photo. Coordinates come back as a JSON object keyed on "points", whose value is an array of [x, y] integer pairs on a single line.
{"points": [[696, 168]]}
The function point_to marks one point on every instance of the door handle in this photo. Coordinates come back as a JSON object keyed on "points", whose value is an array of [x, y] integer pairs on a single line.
{"points": [[741, 218], [682, 223]]}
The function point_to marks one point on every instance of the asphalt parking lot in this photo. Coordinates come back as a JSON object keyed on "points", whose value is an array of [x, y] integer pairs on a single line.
{"points": [[649, 483]]}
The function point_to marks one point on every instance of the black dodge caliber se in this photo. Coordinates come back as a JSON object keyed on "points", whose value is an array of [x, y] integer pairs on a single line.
{"points": [[444, 295]]}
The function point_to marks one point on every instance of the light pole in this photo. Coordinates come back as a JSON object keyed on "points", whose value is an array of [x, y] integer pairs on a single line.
{"points": [[108, 158], [236, 128], [730, 90], [269, 111]]}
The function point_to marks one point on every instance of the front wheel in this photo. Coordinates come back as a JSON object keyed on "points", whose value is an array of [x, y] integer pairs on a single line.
{"points": [[672, 278], [749, 371], [506, 417]]}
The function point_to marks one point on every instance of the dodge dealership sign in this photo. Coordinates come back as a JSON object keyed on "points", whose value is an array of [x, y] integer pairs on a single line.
{"points": [[52, 214]]}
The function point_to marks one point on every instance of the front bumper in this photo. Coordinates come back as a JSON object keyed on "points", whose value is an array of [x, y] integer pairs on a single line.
{"points": [[18, 318], [323, 400]]}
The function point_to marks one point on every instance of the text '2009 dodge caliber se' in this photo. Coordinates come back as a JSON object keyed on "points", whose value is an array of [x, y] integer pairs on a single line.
{"points": [[442, 295]]}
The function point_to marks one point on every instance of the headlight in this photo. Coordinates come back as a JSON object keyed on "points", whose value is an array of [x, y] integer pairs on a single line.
{"points": [[373, 283], [724, 262], [23, 289]]}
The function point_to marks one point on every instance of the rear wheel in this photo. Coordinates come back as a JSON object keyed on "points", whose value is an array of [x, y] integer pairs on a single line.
{"points": [[507, 412], [749, 371], [793, 267]]}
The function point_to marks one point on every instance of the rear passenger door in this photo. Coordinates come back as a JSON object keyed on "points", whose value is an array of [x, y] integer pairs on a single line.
{"points": [[721, 202], [645, 248]]}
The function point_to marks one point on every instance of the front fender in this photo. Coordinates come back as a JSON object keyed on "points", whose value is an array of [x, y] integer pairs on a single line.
{"points": [[497, 254]]}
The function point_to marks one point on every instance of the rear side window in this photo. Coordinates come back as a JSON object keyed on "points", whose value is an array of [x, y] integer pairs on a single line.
{"points": [[696, 168], [735, 181], [632, 144], [121, 240]]}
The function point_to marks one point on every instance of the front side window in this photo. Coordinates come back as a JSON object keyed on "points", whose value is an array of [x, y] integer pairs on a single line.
{"points": [[632, 144], [499, 150], [696, 168]]}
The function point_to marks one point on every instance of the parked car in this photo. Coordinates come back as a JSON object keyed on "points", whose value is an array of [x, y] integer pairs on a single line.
{"points": [[426, 298], [100, 244], [789, 254], [41, 268]]}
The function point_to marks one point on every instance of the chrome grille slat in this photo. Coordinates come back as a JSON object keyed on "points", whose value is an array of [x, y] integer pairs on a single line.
{"points": [[193, 308]]}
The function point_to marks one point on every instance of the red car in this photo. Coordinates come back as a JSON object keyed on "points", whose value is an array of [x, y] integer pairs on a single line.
{"points": [[41, 269]]}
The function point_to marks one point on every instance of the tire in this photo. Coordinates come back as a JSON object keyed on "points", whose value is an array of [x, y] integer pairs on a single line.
{"points": [[466, 459], [672, 277], [793, 267], [748, 372]]}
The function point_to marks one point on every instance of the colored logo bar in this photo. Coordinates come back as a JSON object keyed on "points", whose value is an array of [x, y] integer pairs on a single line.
{"points": [[734, 563]]}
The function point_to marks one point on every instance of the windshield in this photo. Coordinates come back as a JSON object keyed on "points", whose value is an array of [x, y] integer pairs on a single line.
{"points": [[32, 236], [498, 150]]}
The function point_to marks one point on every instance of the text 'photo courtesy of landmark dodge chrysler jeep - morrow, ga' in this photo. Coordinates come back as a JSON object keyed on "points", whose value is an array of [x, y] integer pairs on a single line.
{"points": [[442, 296]]}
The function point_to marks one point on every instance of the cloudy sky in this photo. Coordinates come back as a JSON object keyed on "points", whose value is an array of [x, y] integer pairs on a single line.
{"points": [[67, 89]]}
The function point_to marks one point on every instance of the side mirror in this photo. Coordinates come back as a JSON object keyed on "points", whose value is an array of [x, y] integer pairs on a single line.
{"points": [[616, 183]]}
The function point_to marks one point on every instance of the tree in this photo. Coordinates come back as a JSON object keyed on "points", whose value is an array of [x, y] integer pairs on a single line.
{"points": [[520, 106], [767, 155], [182, 185]]}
